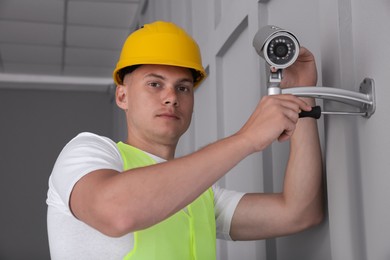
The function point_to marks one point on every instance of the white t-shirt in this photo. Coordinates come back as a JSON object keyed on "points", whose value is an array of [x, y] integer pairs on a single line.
{"points": [[70, 238]]}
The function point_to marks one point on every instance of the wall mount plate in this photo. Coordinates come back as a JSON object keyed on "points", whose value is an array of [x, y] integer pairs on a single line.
{"points": [[367, 87]]}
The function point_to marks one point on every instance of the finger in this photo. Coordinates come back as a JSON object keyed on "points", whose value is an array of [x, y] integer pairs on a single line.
{"points": [[286, 134], [283, 137], [302, 104], [304, 54], [291, 115], [294, 102]]}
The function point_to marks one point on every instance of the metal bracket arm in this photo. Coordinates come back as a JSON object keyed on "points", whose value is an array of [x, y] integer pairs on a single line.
{"points": [[364, 99]]}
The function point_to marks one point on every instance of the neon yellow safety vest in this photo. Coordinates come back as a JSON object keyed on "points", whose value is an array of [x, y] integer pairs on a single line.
{"points": [[185, 235]]}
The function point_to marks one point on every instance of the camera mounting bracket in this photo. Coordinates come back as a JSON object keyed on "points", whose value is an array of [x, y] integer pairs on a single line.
{"points": [[364, 99], [275, 77]]}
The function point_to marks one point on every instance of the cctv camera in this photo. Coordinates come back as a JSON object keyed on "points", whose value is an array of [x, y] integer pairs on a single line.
{"points": [[279, 47]]}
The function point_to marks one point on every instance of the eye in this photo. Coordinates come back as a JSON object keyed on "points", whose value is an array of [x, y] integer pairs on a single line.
{"points": [[184, 88], [154, 84]]}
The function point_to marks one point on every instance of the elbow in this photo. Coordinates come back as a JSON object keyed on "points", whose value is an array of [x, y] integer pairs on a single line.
{"points": [[111, 219], [311, 214], [116, 226], [310, 219], [315, 219], [116, 221], [317, 213], [123, 223]]}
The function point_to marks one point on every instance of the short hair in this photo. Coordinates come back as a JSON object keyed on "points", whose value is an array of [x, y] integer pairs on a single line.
{"points": [[196, 75], [126, 70]]}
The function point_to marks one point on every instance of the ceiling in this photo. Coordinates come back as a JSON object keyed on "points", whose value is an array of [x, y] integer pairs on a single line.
{"points": [[63, 40]]}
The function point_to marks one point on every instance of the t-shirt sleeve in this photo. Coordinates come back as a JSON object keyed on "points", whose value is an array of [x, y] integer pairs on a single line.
{"points": [[85, 153], [225, 202]]}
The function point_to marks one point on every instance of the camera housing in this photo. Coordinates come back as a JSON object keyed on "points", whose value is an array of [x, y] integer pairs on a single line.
{"points": [[279, 47]]}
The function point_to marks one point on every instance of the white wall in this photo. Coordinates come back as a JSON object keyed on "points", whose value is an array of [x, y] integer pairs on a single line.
{"points": [[358, 182], [349, 39]]}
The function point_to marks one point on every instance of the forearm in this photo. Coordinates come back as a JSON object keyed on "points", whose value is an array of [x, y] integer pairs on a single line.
{"points": [[303, 180], [178, 182], [142, 197], [299, 206]]}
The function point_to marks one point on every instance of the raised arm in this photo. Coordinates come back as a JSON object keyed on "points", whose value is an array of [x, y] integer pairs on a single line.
{"points": [[299, 206]]}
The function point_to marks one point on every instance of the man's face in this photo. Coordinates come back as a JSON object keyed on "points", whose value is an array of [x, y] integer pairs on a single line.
{"points": [[160, 102]]}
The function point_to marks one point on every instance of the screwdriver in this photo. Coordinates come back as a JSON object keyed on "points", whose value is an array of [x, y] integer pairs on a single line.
{"points": [[316, 112]]}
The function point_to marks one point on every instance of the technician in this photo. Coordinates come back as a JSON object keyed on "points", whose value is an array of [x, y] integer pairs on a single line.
{"points": [[135, 200]]}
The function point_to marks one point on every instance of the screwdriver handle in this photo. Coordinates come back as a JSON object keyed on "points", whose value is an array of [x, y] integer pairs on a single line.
{"points": [[315, 112]]}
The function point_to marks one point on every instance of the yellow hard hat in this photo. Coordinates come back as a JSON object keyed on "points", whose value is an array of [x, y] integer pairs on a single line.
{"points": [[162, 43]]}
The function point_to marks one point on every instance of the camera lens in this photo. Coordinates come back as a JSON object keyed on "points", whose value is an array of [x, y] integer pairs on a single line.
{"points": [[281, 49]]}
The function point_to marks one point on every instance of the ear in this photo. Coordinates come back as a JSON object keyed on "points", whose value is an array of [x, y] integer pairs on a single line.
{"points": [[121, 97]]}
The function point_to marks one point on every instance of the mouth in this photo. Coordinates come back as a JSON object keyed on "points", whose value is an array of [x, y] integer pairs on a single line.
{"points": [[168, 116]]}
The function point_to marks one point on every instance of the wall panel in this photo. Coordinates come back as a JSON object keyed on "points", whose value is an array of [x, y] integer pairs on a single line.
{"points": [[349, 40]]}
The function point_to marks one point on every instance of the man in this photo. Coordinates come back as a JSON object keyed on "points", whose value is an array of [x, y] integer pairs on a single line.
{"points": [[135, 200]]}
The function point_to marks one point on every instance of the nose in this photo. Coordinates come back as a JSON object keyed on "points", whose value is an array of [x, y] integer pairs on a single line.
{"points": [[170, 97]]}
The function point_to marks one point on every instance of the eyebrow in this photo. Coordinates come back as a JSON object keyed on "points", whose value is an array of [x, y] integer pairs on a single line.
{"points": [[154, 75]]}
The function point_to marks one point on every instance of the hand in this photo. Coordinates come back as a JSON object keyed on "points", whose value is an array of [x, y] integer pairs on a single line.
{"points": [[302, 73], [275, 117]]}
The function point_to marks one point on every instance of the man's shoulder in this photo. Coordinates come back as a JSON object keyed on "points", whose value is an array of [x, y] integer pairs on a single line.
{"points": [[88, 136], [90, 140], [86, 144]]}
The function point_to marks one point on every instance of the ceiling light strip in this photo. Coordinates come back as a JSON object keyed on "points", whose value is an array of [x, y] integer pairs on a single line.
{"points": [[46, 82]]}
